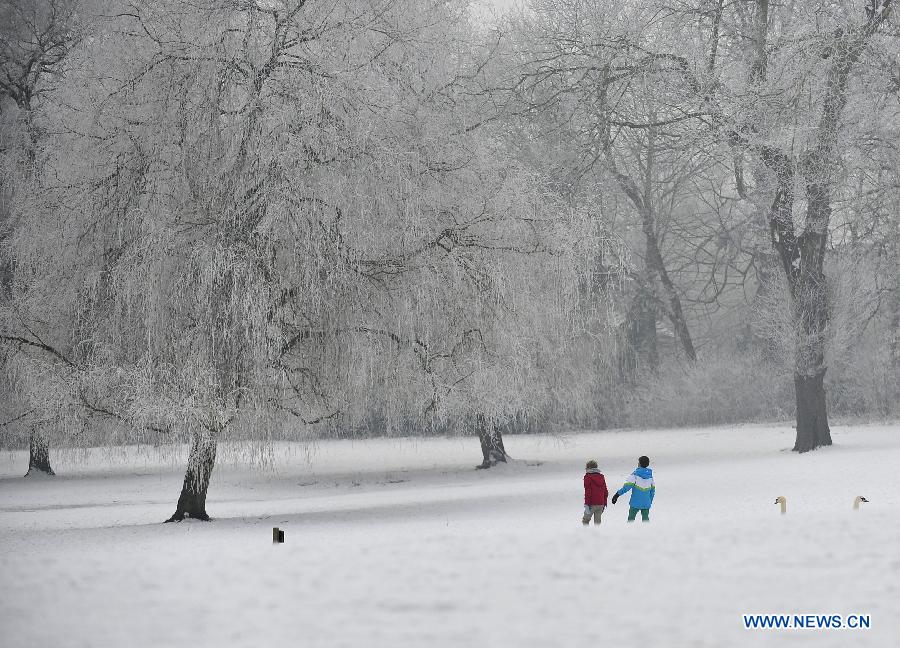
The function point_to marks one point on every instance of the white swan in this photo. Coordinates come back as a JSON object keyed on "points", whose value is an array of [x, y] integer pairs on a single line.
{"points": [[859, 498], [781, 499]]}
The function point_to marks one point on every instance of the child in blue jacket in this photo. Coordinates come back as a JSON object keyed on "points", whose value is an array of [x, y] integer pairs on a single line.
{"points": [[642, 488]]}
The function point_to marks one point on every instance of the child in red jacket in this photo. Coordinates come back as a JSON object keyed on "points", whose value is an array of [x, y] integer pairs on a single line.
{"points": [[595, 493]]}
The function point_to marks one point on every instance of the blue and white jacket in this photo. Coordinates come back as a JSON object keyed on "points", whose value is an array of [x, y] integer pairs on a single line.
{"points": [[642, 488]]}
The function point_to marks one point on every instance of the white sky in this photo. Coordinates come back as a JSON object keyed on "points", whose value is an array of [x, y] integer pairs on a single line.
{"points": [[495, 6]]}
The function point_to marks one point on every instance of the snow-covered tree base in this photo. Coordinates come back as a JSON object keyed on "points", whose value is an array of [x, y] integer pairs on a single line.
{"points": [[492, 460], [35, 471], [39, 456], [181, 515]]}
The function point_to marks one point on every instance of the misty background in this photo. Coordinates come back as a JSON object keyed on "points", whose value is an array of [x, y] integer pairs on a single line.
{"points": [[288, 219]]}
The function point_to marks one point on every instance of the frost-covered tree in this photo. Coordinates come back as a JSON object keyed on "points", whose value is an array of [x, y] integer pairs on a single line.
{"points": [[35, 40], [791, 112], [779, 97], [288, 214], [629, 127]]}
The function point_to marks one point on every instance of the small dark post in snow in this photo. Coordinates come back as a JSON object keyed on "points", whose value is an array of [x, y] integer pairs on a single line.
{"points": [[277, 536]]}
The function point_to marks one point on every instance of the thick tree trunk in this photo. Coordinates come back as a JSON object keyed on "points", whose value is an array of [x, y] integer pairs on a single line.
{"points": [[202, 459], [491, 439], [812, 417], [802, 259], [810, 314], [809, 387], [39, 454]]}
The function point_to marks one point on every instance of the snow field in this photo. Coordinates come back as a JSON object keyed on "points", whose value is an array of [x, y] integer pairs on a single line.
{"points": [[402, 543]]}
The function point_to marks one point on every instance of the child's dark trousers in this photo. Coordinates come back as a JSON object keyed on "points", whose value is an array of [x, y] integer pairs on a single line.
{"points": [[632, 512]]}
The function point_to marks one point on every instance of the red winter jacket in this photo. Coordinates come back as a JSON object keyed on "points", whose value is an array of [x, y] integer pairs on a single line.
{"points": [[595, 491]]}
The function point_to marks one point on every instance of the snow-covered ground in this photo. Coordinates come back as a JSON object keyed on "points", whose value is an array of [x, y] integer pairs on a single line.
{"points": [[402, 543]]}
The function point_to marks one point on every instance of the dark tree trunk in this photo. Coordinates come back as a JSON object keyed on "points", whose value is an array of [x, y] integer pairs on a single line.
{"points": [[491, 439], [39, 454], [642, 199], [760, 59], [6, 267], [802, 259], [642, 330], [812, 417], [626, 352], [202, 459], [714, 39], [654, 259], [894, 330], [675, 311]]}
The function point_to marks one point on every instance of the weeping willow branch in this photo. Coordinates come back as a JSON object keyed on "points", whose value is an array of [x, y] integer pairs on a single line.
{"points": [[17, 418]]}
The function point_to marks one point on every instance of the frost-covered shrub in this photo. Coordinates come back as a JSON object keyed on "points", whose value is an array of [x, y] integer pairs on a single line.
{"points": [[721, 388], [866, 384]]}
